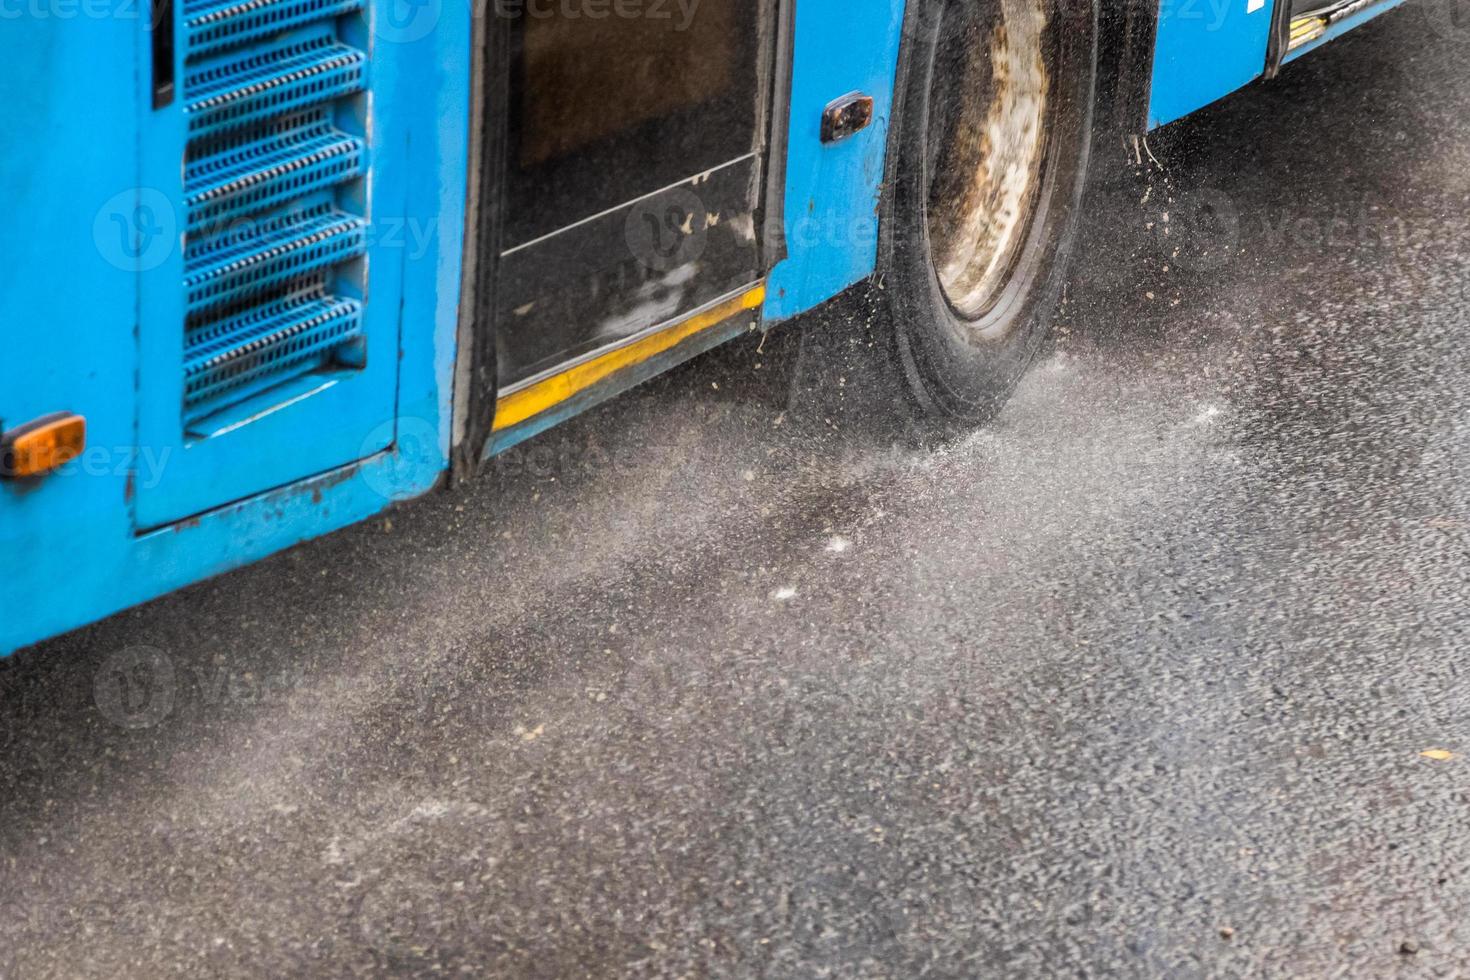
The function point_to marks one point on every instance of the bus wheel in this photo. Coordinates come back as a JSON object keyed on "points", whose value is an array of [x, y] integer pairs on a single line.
{"points": [[990, 159]]}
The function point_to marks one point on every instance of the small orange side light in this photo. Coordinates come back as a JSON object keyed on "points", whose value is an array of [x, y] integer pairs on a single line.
{"points": [[42, 446]]}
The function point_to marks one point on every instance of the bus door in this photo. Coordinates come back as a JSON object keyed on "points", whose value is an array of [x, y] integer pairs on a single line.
{"points": [[632, 172]]}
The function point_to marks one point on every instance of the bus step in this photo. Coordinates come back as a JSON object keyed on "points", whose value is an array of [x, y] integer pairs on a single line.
{"points": [[1311, 19]]}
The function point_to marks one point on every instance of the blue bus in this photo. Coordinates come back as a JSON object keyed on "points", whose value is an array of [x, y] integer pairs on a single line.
{"points": [[273, 266]]}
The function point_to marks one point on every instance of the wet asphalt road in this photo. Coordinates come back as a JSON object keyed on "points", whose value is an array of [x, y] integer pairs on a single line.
{"points": [[717, 682]]}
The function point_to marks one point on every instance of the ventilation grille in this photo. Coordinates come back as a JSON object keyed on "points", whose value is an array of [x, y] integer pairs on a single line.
{"points": [[296, 157], [273, 242], [212, 26], [264, 85], [234, 354]]}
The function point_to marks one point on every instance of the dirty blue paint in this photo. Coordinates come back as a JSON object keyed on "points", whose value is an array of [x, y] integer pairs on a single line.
{"points": [[85, 320], [1357, 20], [832, 191], [78, 302], [1206, 49]]}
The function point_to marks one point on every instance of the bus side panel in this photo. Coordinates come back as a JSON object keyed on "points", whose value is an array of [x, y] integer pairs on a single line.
{"points": [[1206, 49], [69, 550], [75, 232], [832, 190]]}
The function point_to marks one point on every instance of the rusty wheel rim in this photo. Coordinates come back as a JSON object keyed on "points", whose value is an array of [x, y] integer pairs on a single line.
{"points": [[991, 103]]}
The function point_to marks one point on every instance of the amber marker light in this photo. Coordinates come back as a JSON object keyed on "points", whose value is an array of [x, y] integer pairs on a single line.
{"points": [[42, 446]]}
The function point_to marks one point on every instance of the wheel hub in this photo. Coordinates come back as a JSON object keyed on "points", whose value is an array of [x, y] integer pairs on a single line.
{"points": [[990, 108]]}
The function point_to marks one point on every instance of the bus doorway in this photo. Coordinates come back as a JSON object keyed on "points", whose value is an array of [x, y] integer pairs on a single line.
{"points": [[626, 155]]}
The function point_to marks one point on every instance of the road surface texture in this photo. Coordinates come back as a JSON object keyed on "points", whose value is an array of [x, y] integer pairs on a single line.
{"points": [[716, 681]]}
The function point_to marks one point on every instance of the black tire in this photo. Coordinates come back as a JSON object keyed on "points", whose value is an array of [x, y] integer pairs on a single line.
{"points": [[962, 344]]}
